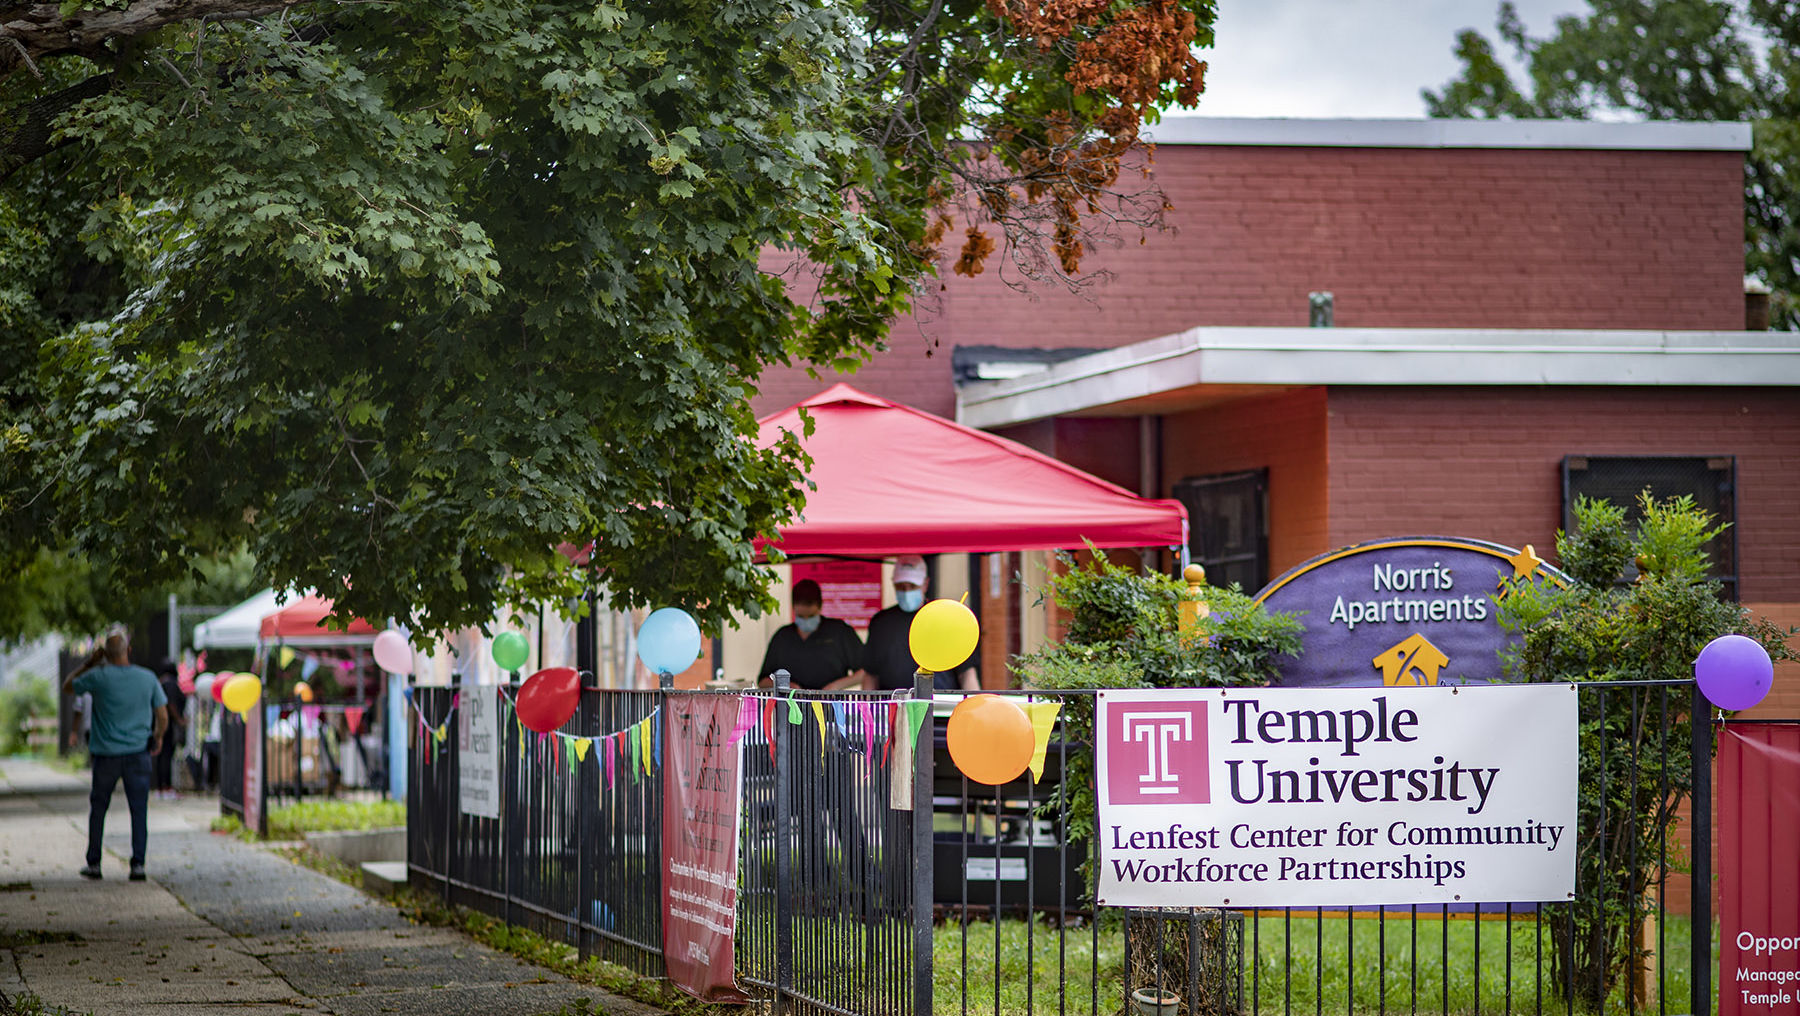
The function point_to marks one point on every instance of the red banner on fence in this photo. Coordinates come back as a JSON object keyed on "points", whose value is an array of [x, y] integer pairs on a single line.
{"points": [[1759, 869], [701, 794]]}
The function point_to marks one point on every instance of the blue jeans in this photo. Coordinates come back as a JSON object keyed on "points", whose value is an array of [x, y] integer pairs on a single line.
{"points": [[134, 769]]}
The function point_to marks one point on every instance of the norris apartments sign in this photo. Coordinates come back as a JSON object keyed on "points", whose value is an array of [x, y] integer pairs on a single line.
{"points": [[1336, 796], [1399, 613]]}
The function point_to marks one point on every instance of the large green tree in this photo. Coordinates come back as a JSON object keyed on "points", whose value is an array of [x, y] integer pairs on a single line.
{"points": [[405, 296], [1665, 60]]}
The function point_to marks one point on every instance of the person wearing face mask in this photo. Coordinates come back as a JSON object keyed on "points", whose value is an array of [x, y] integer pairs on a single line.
{"points": [[887, 658], [819, 652]]}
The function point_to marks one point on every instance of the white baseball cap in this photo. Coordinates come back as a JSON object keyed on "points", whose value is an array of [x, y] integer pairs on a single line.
{"points": [[909, 568]]}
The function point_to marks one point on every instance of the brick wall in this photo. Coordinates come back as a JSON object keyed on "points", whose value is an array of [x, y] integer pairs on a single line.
{"points": [[1285, 433], [1485, 462], [1402, 237]]}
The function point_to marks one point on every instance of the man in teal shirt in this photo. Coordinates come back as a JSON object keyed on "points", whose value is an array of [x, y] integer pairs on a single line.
{"points": [[125, 730]]}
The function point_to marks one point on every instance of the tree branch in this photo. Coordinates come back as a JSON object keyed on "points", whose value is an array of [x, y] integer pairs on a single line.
{"points": [[39, 30], [27, 130]]}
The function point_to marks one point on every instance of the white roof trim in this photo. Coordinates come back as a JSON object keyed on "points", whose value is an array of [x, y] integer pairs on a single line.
{"points": [[1662, 135], [1385, 356]]}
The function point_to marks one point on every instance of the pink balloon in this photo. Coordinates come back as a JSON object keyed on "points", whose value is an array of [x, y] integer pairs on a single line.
{"points": [[393, 652]]}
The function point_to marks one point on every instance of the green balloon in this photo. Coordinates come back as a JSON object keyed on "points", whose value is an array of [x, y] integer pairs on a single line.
{"points": [[510, 650]]}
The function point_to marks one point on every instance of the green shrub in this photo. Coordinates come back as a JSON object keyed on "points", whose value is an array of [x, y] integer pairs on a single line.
{"points": [[1124, 631], [1601, 627], [30, 697]]}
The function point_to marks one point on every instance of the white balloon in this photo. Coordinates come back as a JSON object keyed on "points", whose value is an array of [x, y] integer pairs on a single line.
{"points": [[203, 685], [393, 652]]}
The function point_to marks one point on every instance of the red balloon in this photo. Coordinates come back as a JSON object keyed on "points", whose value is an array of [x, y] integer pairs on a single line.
{"points": [[548, 698], [219, 684]]}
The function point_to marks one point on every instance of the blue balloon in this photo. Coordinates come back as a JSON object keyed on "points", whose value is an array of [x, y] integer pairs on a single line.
{"points": [[668, 641]]}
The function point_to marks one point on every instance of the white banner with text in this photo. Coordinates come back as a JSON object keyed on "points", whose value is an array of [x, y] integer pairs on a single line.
{"points": [[478, 751], [1309, 797]]}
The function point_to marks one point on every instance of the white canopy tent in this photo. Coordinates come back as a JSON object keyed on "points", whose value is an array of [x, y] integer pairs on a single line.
{"points": [[239, 627]]}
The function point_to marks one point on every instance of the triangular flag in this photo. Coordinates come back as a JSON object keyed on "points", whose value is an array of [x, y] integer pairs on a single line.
{"points": [[819, 714], [887, 744], [581, 748], [768, 725], [916, 711], [1043, 721], [353, 716], [656, 724], [646, 738], [631, 746], [569, 758], [440, 733], [746, 718], [610, 755], [307, 666], [794, 710], [286, 656], [555, 748], [866, 710]]}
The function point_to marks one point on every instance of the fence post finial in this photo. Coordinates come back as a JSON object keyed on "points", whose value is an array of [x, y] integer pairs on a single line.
{"points": [[1194, 608]]}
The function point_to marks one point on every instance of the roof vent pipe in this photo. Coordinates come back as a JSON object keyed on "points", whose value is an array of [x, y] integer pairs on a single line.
{"points": [[1756, 305], [1320, 315]]}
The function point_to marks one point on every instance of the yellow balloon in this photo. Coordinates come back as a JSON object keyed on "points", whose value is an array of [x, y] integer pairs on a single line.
{"points": [[943, 634], [242, 694]]}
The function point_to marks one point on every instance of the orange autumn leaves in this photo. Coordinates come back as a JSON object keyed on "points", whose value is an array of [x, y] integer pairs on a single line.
{"points": [[1130, 54]]}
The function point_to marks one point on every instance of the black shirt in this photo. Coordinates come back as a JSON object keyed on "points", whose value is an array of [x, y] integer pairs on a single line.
{"points": [[828, 654], [889, 657]]}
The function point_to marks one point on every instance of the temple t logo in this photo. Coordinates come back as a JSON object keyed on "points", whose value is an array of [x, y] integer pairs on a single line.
{"points": [[1160, 753]]}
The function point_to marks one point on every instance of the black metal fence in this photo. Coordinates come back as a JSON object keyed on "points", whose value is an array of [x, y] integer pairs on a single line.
{"points": [[976, 900], [826, 899]]}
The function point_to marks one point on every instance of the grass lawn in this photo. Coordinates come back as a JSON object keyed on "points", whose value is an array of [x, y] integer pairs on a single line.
{"points": [[291, 822], [1304, 965]]}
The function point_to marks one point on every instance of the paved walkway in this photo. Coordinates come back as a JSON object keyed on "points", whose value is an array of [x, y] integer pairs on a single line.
{"points": [[224, 927]]}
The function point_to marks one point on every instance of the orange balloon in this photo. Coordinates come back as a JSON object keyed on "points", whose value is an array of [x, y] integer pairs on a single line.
{"points": [[990, 739]]}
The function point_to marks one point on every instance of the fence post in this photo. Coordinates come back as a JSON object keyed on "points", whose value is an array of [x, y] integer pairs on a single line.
{"points": [[784, 886], [1700, 907], [508, 774], [584, 901], [452, 805], [924, 876]]}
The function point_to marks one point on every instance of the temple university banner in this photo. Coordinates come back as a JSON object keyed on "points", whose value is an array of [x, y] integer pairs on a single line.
{"points": [[1313, 797], [701, 795], [1759, 869]]}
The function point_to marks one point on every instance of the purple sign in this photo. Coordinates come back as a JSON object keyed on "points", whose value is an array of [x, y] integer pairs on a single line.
{"points": [[1404, 612]]}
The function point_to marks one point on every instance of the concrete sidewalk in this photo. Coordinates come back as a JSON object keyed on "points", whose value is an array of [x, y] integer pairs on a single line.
{"points": [[224, 927]]}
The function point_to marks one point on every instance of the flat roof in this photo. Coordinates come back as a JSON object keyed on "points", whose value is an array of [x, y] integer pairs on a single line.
{"points": [[1201, 365], [1657, 135]]}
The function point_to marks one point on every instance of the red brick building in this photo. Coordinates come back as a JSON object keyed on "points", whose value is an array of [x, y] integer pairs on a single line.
{"points": [[1520, 312]]}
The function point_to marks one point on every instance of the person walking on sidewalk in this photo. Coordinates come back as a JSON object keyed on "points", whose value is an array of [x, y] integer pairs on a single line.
{"points": [[125, 730]]}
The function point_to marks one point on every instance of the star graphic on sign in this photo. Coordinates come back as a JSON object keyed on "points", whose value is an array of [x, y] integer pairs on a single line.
{"points": [[1525, 563]]}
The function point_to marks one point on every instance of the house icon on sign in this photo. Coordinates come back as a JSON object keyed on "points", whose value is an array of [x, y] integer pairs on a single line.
{"points": [[1413, 663]]}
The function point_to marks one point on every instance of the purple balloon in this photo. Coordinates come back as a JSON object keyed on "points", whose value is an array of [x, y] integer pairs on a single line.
{"points": [[1734, 672]]}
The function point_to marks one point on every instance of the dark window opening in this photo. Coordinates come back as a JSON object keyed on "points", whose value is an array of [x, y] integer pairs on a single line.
{"points": [[1228, 526], [1710, 480]]}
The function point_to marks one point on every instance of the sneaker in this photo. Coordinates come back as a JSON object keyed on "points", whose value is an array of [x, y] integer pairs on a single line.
{"points": [[137, 871], [92, 871]]}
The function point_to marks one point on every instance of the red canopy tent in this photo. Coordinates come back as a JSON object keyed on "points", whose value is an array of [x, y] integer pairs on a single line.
{"points": [[894, 480], [302, 623]]}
